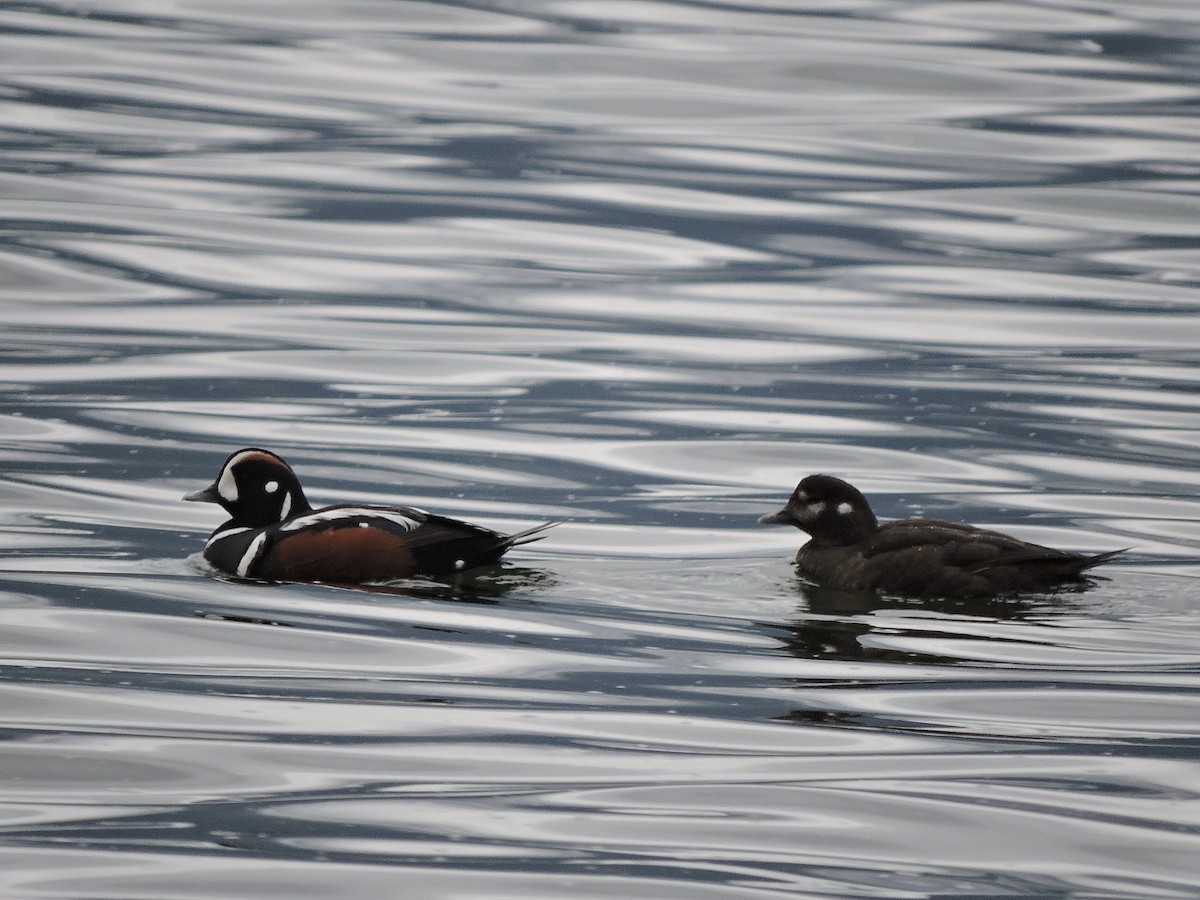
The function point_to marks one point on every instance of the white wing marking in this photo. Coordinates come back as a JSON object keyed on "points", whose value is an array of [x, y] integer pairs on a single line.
{"points": [[349, 512]]}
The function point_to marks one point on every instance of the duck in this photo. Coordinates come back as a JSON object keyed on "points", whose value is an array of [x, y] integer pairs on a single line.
{"points": [[922, 558], [275, 534]]}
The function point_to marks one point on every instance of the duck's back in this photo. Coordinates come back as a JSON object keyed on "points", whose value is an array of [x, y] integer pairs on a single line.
{"points": [[932, 558]]}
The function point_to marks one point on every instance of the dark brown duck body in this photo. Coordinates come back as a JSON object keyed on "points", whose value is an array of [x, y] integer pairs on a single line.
{"points": [[851, 551]]}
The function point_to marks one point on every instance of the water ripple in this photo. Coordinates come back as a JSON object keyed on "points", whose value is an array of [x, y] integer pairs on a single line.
{"points": [[638, 266]]}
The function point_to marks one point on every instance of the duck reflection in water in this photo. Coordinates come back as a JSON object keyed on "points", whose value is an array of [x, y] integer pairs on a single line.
{"points": [[833, 622], [485, 585]]}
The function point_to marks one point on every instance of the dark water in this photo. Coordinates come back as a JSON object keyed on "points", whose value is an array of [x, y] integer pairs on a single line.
{"points": [[641, 266]]}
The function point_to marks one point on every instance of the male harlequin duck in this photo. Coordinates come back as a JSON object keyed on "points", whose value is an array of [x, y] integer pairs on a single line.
{"points": [[275, 534], [851, 551]]}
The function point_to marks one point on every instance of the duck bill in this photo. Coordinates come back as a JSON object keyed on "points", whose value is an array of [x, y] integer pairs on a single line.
{"points": [[205, 495], [783, 517]]}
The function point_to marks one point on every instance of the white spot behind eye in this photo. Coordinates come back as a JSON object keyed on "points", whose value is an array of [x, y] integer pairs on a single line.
{"points": [[271, 487], [844, 508]]}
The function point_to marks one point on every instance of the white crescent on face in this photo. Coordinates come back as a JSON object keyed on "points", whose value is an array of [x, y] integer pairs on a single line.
{"points": [[227, 484]]}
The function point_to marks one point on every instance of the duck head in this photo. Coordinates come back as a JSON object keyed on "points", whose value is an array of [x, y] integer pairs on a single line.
{"points": [[829, 509], [256, 488]]}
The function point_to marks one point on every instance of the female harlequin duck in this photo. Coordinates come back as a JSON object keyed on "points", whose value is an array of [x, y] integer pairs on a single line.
{"points": [[851, 551], [275, 534]]}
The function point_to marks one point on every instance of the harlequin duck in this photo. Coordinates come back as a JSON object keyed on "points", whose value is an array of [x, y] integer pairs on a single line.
{"points": [[851, 551], [274, 534]]}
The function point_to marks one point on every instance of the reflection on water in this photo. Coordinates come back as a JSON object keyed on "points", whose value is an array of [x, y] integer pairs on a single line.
{"points": [[641, 267]]}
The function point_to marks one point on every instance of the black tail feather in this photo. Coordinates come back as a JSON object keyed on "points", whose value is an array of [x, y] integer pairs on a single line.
{"points": [[528, 536], [445, 546], [1065, 564], [1101, 558]]}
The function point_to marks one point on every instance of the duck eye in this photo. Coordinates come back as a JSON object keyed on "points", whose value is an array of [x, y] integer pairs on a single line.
{"points": [[271, 487]]}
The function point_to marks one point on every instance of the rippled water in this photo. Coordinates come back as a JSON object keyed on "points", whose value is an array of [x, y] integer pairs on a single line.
{"points": [[639, 266]]}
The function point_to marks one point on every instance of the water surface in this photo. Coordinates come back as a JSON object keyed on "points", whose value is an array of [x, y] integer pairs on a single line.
{"points": [[639, 266]]}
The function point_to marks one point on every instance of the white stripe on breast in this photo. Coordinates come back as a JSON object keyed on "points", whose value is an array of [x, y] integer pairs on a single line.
{"points": [[250, 557], [221, 535]]}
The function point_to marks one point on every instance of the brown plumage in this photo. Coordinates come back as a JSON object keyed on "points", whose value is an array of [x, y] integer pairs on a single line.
{"points": [[851, 551], [344, 555]]}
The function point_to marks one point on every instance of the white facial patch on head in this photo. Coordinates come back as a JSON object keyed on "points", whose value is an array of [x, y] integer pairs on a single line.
{"points": [[814, 510], [227, 484], [271, 487], [844, 508]]}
